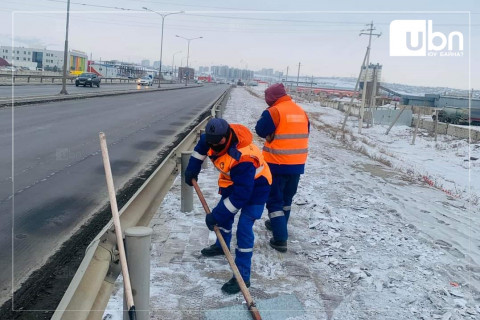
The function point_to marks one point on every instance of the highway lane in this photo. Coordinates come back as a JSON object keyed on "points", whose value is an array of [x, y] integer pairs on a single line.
{"points": [[58, 172], [48, 90]]}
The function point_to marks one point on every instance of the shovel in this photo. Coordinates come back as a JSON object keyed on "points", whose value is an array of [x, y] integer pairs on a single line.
{"points": [[246, 294], [118, 229]]}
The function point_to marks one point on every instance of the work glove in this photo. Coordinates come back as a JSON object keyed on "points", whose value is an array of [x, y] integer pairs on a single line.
{"points": [[210, 221], [189, 175], [270, 137]]}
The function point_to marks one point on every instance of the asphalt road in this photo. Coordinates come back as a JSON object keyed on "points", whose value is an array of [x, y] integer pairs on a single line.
{"points": [[48, 90], [58, 172]]}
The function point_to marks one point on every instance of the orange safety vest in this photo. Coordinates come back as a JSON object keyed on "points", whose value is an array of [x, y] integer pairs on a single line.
{"points": [[249, 153], [290, 142]]}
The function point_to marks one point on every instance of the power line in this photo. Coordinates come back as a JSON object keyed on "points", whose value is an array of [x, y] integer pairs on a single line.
{"points": [[93, 5]]}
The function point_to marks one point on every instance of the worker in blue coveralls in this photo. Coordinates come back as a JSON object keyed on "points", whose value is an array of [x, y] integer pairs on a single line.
{"points": [[244, 183], [285, 127]]}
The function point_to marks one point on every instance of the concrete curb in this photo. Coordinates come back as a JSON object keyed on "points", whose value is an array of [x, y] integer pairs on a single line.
{"points": [[30, 100]]}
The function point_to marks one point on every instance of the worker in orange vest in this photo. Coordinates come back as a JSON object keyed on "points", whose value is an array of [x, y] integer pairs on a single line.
{"points": [[286, 127], [244, 183]]}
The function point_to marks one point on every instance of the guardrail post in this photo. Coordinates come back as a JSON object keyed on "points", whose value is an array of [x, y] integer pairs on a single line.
{"points": [[218, 113], [137, 247], [186, 203], [28, 79]]}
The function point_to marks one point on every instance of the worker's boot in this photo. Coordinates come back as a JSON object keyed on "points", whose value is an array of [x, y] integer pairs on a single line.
{"points": [[278, 245], [212, 251], [268, 224], [232, 287]]}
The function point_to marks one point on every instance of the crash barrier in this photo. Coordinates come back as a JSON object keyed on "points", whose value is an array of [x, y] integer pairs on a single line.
{"points": [[7, 79], [91, 287]]}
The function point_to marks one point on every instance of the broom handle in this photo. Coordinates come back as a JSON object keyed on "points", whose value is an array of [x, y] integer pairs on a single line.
{"points": [[246, 294], [116, 222]]}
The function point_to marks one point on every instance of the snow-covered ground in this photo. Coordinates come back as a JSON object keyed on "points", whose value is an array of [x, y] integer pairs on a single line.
{"points": [[380, 229]]}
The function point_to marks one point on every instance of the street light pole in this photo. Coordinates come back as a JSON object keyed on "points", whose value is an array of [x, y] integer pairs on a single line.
{"points": [[65, 54], [188, 54], [173, 62], [163, 15]]}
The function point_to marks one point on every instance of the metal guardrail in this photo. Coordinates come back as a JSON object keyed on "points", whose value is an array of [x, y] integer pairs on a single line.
{"points": [[58, 79], [90, 289]]}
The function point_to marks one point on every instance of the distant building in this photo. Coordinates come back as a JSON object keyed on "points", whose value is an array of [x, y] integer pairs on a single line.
{"points": [[43, 59], [186, 72], [266, 72], [156, 64], [146, 63], [231, 73], [203, 69]]}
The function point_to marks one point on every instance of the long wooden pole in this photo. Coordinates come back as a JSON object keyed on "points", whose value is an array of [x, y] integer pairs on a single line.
{"points": [[118, 228], [246, 294]]}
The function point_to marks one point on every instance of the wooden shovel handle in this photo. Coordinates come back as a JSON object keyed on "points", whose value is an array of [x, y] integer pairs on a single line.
{"points": [[116, 222], [246, 294]]}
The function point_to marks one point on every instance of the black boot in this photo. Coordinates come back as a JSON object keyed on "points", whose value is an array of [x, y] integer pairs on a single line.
{"points": [[278, 245], [212, 251], [268, 224], [232, 287]]}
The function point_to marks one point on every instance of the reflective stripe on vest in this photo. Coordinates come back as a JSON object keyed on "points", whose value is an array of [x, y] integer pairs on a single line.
{"points": [[290, 140], [225, 163], [291, 136], [257, 172], [285, 151]]}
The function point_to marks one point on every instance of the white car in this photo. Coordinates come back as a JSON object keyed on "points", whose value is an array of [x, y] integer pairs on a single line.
{"points": [[145, 81]]}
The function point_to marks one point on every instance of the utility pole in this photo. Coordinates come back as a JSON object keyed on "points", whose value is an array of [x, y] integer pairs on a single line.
{"points": [[298, 74], [65, 54], [369, 32]]}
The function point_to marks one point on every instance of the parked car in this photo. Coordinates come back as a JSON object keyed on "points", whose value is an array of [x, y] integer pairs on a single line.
{"points": [[145, 81], [88, 79]]}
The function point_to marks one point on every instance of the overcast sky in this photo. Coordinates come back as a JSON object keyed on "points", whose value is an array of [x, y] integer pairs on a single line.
{"points": [[322, 35]]}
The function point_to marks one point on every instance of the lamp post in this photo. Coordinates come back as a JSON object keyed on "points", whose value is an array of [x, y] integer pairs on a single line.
{"points": [[173, 62], [188, 53], [65, 54], [163, 15]]}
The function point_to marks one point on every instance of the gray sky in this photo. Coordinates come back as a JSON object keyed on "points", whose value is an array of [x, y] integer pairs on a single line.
{"points": [[252, 34]]}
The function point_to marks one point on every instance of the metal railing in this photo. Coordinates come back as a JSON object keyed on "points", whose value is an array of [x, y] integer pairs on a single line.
{"points": [[91, 287], [49, 79]]}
